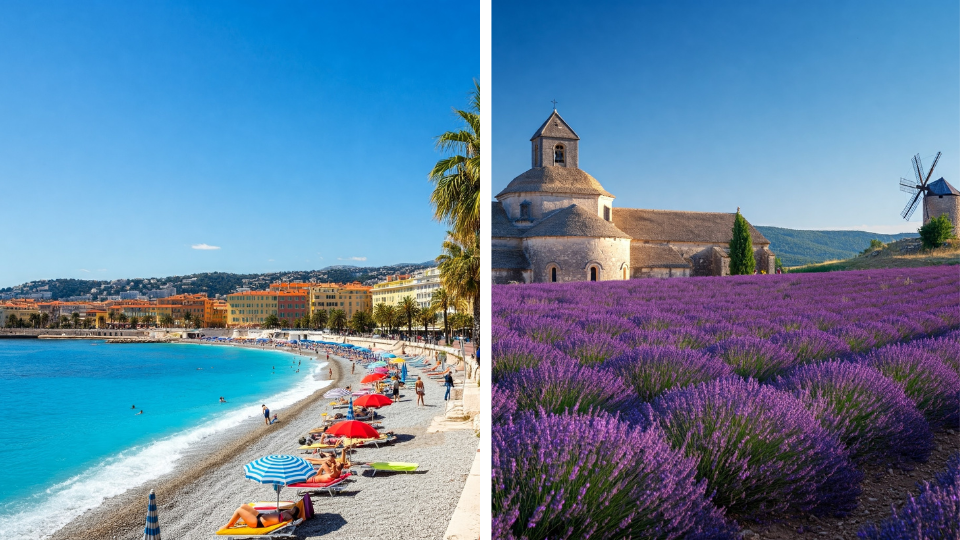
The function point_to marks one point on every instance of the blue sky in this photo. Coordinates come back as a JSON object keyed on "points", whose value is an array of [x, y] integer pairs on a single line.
{"points": [[805, 114], [290, 135]]}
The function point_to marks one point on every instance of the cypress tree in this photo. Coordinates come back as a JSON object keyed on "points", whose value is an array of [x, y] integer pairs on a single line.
{"points": [[741, 248]]}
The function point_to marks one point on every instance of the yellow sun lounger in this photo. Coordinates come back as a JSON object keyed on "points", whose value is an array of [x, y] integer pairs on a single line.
{"points": [[281, 531]]}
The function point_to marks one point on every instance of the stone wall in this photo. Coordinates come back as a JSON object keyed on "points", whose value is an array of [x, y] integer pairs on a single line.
{"points": [[571, 151], [572, 255], [641, 273], [544, 203], [502, 276], [936, 205]]}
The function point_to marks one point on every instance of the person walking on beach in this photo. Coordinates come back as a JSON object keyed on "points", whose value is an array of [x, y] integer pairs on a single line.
{"points": [[420, 391], [331, 374], [353, 367], [396, 389], [266, 415], [448, 382]]}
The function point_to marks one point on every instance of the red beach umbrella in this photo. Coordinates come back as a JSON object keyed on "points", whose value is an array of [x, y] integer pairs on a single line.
{"points": [[373, 400], [353, 429], [373, 377]]}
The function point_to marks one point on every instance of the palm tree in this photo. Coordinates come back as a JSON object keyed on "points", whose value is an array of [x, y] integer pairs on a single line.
{"points": [[34, 319], [271, 321], [361, 322], [122, 318], [441, 301], [64, 320], [456, 197], [112, 315], [44, 319], [166, 320], [148, 320], [101, 321], [76, 319], [320, 318], [384, 315], [459, 266], [338, 320], [187, 319], [134, 322], [408, 308], [426, 317]]}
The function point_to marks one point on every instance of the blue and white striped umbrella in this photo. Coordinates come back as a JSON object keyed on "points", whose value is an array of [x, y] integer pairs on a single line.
{"points": [[279, 471], [151, 531], [350, 410], [337, 393]]}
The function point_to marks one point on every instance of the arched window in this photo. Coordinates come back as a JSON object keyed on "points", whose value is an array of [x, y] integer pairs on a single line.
{"points": [[593, 273], [558, 154], [553, 274], [525, 210]]}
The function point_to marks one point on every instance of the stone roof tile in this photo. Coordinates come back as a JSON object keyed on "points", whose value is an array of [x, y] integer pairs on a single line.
{"points": [[502, 226], [680, 226], [509, 259], [646, 256], [566, 180], [555, 127], [575, 221]]}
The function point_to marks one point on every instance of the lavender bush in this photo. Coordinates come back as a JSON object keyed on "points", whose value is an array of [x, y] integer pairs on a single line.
{"points": [[594, 476], [933, 515], [868, 412], [651, 371], [503, 404], [761, 451], [754, 357], [512, 354], [590, 348], [810, 344], [561, 384], [933, 386]]}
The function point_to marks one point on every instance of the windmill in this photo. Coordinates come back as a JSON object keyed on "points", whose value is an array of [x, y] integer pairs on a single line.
{"points": [[917, 188]]}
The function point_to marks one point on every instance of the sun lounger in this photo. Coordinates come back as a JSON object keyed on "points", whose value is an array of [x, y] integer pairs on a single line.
{"points": [[285, 530], [331, 487], [392, 466]]}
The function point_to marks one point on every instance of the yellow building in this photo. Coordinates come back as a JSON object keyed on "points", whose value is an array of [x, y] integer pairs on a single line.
{"points": [[250, 308], [351, 298], [419, 285], [215, 314], [22, 310]]}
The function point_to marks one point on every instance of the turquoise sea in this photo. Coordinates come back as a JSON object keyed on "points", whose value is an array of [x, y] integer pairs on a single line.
{"points": [[72, 435]]}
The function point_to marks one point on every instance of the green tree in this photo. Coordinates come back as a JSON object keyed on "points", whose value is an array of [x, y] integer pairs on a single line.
{"points": [[271, 321], [187, 319], [101, 321], [426, 317], [44, 320], [459, 266], [456, 195], [338, 320], [409, 308], [440, 302], [362, 322], [75, 318], [134, 321], [34, 319], [937, 231], [386, 316], [64, 321], [166, 320], [320, 319], [112, 315], [741, 248], [148, 320], [284, 323], [122, 318]]}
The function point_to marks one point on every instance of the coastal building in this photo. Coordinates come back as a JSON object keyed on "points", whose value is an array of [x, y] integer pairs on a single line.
{"points": [[251, 308], [21, 310], [419, 285], [215, 314], [292, 305], [556, 223], [349, 297]]}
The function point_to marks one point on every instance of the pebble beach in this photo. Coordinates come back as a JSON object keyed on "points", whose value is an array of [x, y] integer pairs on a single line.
{"points": [[201, 495]]}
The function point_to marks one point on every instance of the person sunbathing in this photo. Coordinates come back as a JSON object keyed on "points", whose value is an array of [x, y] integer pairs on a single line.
{"points": [[329, 470], [255, 519]]}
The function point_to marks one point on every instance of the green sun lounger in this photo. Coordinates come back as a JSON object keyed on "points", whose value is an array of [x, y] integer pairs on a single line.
{"points": [[392, 466]]}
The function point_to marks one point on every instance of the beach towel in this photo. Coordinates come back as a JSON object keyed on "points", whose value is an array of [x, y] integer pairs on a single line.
{"points": [[262, 531]]}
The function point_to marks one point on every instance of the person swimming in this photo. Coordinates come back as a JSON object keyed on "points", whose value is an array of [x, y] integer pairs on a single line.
{"points": [[139, 413], [133, 406]]}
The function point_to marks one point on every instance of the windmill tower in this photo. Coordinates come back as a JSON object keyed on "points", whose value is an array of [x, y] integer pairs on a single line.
{"points": [[938, 197]]}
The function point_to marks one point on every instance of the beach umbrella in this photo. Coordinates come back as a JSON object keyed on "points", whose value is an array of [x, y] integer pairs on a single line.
{"points": [[398, 361], [353, 429], [374, 400], [350, 409], [362, 349], [279, 470], [373, 377], [381, 370], [151, 531], [403, 372], [378, 363], [337, 393], [388, 355]]}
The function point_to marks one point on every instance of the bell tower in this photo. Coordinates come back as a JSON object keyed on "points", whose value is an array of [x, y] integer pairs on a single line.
{"points": [[555, 144]]}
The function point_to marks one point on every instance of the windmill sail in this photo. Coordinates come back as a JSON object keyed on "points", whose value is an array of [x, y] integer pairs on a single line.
{"points": [[919, 188], [911, 206]]}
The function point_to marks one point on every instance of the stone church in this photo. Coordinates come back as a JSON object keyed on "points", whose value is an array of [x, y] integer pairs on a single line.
{"points": [[556, 223]]}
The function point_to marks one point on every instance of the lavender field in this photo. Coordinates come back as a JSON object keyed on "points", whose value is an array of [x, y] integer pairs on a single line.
{"points": [[693, 408]]}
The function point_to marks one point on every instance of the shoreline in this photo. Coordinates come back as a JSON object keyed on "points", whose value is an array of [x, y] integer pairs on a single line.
{"points": [[115, 514]]}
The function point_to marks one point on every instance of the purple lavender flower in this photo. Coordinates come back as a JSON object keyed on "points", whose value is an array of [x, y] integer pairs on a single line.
{"points": [[606, 324], [754, 357], [543, 329], [809, 345], [759, 449], [561, 384], [868, 412], [499, 332], [926, 380], [503, 403], [580, 476], [934, 514], [946, 348], [639, 338], [590, 348], [651, 371], [512, 354]]}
